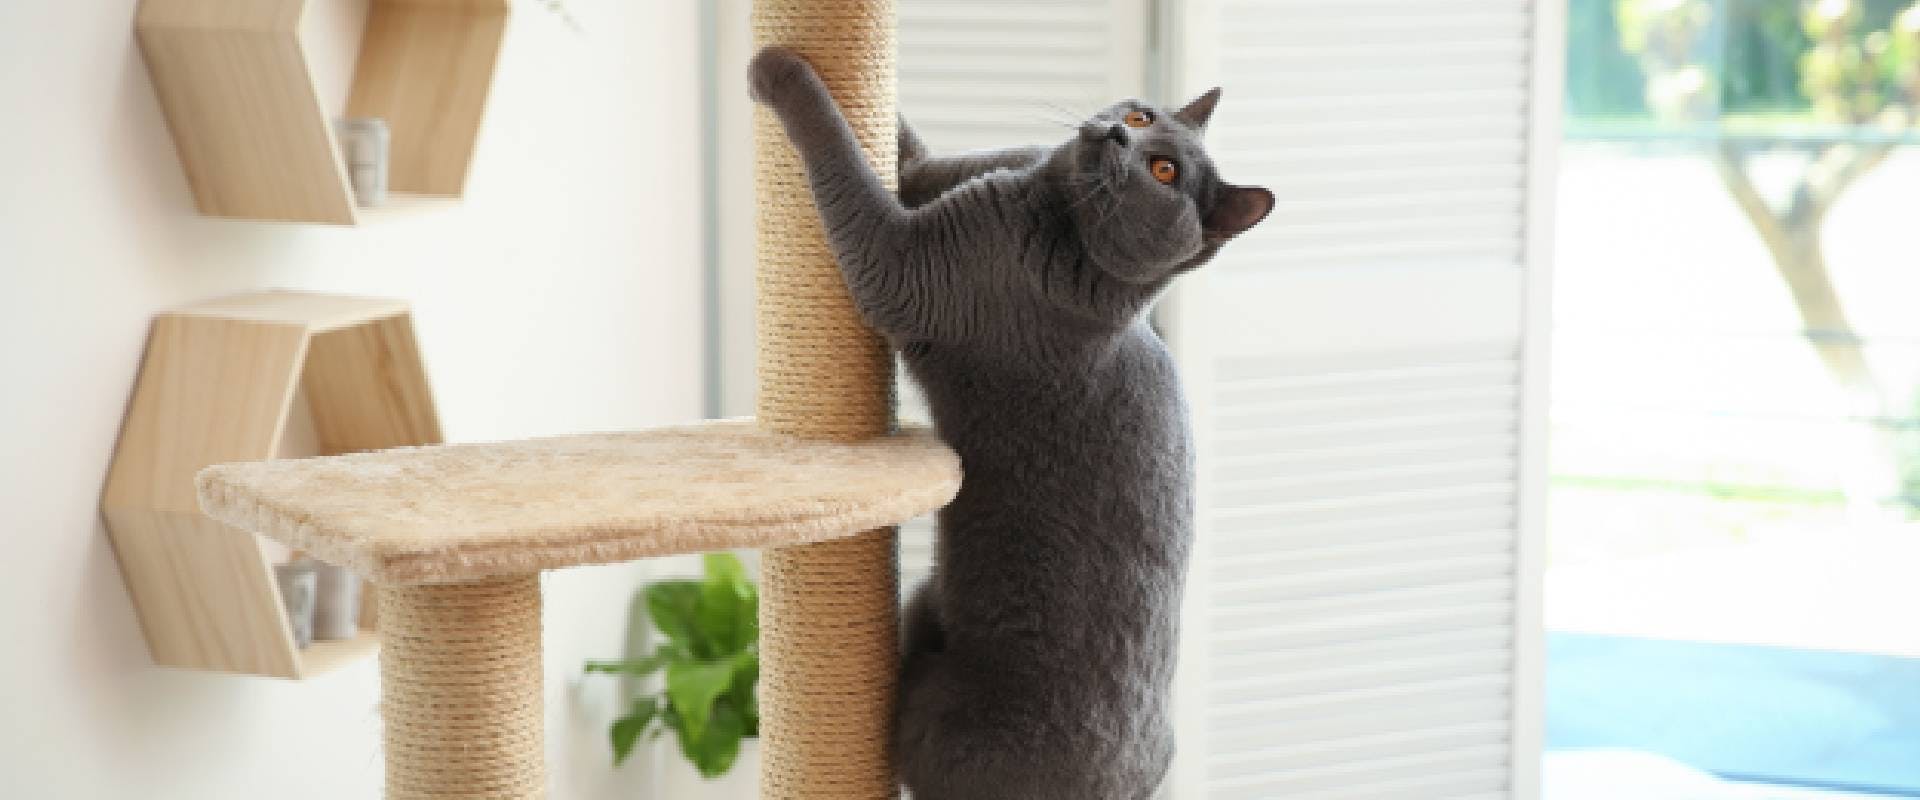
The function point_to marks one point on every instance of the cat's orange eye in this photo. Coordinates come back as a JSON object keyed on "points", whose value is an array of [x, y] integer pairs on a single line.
{"points": [[1164, 170], [1139, 119]]}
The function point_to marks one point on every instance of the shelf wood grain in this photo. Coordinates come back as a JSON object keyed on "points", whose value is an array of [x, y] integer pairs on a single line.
{"points": [[235, 82], [425, 68], [269, 375]]}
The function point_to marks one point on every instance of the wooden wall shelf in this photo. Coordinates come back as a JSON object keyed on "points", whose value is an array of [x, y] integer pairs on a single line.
{"points": [[244, 378], [237, 85]]}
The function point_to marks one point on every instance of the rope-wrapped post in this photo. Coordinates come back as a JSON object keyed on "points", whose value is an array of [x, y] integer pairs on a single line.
{"points": [[829, 611], [460, 690]]}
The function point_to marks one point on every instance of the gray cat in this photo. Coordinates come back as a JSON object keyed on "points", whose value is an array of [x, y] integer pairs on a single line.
{"points": [[1039, 659]]}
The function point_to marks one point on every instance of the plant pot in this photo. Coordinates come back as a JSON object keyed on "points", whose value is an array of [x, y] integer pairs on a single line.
{"points": [[678, 780]]}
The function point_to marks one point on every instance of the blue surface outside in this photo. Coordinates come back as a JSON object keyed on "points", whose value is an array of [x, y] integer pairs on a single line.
{"points": [[1744, 712]]}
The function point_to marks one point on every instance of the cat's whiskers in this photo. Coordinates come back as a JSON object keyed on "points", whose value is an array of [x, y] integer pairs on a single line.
{"points": [[1112, 175], [1109, 176], [1069, 125], [1112, 208], [1078, 116], [1069, 117], [1099, 186]]}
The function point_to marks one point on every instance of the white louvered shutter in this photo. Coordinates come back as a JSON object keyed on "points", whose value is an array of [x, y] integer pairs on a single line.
{"points": [[1366, 370], [993, 73]]}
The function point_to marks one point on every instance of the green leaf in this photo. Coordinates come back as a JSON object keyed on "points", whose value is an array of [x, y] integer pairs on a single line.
{"points": [[751, 598], [745, 689], [669, 721], [725, 567], [714, 749], [711, 661], [728, 605], [720, 619], [626, 730], [692, 687], [674, 607], [637, 667]]}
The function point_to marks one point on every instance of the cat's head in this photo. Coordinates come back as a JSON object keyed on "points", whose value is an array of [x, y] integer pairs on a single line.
{"points": [[1143, 193]]}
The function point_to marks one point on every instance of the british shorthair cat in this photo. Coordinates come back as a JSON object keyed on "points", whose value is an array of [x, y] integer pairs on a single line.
{"points": [[1039, 657]]}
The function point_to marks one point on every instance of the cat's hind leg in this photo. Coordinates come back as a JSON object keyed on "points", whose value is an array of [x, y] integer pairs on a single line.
{"points": [[920, 630], [932, 764], [957, 739]]}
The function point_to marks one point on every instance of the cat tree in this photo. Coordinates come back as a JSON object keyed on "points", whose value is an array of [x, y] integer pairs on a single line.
{"points": [[455, 536]]}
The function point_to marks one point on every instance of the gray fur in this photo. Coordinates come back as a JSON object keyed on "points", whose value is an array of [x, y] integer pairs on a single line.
{"points": [[1039, 659]]}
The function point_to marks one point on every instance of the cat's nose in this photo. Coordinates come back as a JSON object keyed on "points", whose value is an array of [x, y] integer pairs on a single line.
{"points": [[1118, 134]]}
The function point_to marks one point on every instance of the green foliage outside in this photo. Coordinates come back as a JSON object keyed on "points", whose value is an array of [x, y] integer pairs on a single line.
{"points": [[711, 665], [1762, 59]]}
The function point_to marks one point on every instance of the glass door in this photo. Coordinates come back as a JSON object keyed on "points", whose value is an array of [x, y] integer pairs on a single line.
{"points": [[1732, 542]]}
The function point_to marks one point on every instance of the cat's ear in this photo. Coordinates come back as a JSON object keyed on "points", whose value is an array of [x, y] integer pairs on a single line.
{"points": [[912, 149], [1239, 208], [1196, 113]]}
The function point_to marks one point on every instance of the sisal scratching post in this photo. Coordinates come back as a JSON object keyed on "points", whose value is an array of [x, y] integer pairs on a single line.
{"points": [[460, 690], [828, 611]]}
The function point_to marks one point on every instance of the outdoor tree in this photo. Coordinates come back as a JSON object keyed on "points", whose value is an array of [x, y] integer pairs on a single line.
{"points": [[1862, 88]]}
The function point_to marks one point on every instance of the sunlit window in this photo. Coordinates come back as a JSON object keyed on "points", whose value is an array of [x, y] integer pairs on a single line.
{"points": [[1736, 473]]}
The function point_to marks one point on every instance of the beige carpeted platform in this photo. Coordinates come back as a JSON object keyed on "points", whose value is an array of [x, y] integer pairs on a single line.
{"points": [[467, 512]]}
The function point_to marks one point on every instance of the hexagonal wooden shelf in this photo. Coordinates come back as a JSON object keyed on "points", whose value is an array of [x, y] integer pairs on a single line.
{"points": [[237, 84], [276, 374]]}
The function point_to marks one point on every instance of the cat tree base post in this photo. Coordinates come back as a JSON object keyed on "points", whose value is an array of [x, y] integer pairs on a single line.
{"points": [[460, 690]]}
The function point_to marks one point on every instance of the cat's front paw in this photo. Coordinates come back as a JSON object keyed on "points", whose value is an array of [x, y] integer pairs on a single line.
{"points": [[774, 72]]}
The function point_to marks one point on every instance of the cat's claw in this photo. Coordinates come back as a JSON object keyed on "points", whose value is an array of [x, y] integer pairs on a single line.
{"points": [[774, 71]]}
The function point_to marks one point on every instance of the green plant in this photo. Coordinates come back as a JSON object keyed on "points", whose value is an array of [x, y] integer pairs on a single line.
{"points": [[711, 661]]}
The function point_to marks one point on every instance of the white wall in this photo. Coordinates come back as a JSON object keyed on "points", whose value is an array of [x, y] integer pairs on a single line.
{"points": [[562, 296]]}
